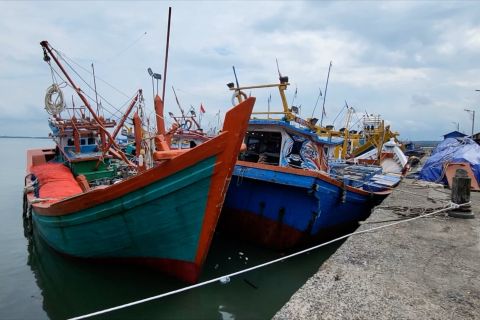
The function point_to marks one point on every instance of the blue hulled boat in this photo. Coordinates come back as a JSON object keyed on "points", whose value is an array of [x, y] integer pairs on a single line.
{"points": [[285, 191]]}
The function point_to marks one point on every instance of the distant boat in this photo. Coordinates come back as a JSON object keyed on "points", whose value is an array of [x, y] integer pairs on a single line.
{"points": [[392, 158], [160, 208], [412, 149], [284, 192], [362, 147]]}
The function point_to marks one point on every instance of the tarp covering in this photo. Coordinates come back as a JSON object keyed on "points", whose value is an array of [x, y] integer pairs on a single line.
{"points": [[451, 150], [56, 181]]}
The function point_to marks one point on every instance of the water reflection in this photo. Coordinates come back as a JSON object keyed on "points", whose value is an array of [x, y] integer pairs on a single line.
{"points": [[72, 287]]}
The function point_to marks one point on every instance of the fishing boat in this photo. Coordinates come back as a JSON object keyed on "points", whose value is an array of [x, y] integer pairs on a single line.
{"points": [[413, 150], [378, 136], [284, 191], [160, 208], [374, 143], [362, 146]]}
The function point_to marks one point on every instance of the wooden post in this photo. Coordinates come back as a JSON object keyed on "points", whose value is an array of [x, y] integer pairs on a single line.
{"points": [[461, 194]]}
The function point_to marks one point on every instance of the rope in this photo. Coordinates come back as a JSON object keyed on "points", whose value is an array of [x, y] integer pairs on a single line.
{"points": [[339, 113], [114, 115], [86, 83], [56, 105], [37, 200], [91, 73], [226, 278]]}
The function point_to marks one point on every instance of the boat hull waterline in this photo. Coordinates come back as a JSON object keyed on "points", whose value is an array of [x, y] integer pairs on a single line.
{"points": [[164, 217], [283, 208]]}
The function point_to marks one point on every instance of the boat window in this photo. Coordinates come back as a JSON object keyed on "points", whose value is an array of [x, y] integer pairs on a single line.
{"points": [[82, 142], [262, 147], [91, 140], [70, 142]]}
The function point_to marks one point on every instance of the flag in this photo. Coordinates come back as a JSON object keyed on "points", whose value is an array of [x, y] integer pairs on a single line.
{"points": [[202, 110]]}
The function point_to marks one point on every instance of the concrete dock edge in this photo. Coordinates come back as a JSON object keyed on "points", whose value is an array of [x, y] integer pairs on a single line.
{"points": [[428, 268]]}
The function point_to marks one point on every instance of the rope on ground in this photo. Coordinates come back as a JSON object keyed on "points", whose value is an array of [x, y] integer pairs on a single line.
{"points": [[408, 211], [226, 278]]}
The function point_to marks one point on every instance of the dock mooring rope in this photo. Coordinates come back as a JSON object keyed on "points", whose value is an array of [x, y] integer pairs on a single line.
{"points": [[225, 278]]}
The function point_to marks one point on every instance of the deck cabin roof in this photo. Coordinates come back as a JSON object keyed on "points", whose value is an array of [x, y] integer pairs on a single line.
{"points": [[332, 141]]}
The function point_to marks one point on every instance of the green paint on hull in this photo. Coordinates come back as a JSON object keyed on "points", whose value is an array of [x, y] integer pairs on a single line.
{"points": [[161, 220], [92, 170]]}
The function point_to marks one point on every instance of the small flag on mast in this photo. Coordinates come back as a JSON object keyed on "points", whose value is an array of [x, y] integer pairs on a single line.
{"points": [[202, 110]]}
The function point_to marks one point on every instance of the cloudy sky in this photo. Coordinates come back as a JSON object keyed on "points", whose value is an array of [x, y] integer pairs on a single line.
{"points": [[417, 64]]}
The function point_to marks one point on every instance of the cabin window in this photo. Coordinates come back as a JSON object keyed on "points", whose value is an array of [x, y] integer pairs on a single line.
{"points": [[82, 142], [91, 140], [262, 147], [70, 142]]}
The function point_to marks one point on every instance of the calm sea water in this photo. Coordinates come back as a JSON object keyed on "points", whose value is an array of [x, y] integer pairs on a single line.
{"points": [[38, 283]]}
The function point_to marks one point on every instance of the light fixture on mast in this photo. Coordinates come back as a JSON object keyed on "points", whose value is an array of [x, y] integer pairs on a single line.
{"points": [[155, 76]]}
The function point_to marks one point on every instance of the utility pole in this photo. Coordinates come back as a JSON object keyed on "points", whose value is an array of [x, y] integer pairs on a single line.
{"points": [[473, 118], [457, 124]]}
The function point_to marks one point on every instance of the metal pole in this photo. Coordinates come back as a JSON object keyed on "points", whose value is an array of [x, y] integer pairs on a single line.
{"points": [[473, 122], [95, 86], [166, 54], [473, 118], [325, 95], [457, 124]]}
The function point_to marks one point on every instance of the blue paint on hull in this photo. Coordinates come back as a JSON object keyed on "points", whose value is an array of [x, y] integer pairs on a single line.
{"points": [[306, 204]]}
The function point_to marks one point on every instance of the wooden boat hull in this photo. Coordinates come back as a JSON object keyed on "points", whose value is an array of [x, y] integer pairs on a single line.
{"points": [[164, 217], [285, 207]]}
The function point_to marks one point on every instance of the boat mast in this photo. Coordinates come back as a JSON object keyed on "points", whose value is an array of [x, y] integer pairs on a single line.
{"points": [[95, 87], [325, 95], [166, 53], [281, 88], [159, 103], [46, 48], [346, 132], [125, 116]]}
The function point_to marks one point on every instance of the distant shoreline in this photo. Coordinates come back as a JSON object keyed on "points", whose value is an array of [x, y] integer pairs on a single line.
{"points": [[22, 137]]}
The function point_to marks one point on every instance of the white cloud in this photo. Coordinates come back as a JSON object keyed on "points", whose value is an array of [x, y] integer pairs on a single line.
{"points": [[384, 53]]}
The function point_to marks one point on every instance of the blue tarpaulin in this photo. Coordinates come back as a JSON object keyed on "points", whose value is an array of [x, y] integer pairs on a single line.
{"points": [[451, 150]]}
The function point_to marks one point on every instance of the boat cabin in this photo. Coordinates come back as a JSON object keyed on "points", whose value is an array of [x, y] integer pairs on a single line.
{"points": [[187, 140], [79, 143], [279, 143]]}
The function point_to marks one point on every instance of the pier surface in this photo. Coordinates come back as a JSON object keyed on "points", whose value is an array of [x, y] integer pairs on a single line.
{"points": [[428, 268]]}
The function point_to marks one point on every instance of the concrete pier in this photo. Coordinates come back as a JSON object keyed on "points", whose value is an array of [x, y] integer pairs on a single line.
{"points": [[428, 268]]}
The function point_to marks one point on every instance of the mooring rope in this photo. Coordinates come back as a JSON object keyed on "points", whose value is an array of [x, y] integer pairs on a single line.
{"points": [[227, 277]]}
